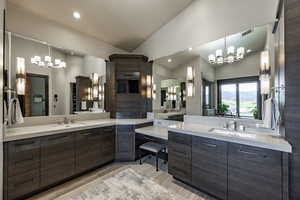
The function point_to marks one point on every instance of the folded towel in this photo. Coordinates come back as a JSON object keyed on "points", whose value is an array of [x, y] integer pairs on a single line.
{"points": [[14, 112], [5, 113], [271, 114]]}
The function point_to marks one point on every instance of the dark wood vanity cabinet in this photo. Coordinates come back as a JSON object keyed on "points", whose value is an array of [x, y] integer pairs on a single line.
{"points": [[209, 166], [254, 173], [228, 170], [180, 156], [36, 164], [57, 158], [21, 167], [125, 143]]}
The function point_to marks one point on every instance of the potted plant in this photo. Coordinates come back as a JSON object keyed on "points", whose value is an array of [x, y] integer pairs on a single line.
{"points": [[254, 112], [223, 109]]}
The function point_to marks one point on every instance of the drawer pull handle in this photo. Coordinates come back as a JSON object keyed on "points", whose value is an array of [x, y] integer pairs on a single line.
{"points": [[25, 143], [23, 182], [57, 138], [210, 145], [247, 152], [108, 130]]}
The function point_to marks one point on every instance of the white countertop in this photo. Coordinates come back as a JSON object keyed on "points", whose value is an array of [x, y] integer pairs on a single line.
{"points": [[12, 134], [252, 139], [154, 131]]}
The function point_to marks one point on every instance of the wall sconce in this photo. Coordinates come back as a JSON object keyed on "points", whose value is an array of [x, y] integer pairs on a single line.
{"points": [[154, 91], [265, 72], [20, 76], [190, 81], [89, 94], [95, 85], [101, 91], [149, 86]]}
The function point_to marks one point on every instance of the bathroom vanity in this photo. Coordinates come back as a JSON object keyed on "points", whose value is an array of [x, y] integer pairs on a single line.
{"points": [[248, 166], [37, 159]]}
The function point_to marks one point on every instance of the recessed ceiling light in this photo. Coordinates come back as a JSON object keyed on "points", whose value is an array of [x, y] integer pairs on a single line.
{"points": [[191, 48], [249, 51], [169, 60], [76, 15]]}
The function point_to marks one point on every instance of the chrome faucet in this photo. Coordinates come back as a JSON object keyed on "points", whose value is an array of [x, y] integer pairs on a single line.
{"points": [[66, 120]]}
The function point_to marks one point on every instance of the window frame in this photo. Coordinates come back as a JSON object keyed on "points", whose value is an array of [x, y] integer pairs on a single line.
{"points": [[237, 81]]}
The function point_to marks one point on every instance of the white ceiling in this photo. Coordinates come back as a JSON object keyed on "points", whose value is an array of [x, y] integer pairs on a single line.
{"points": [[255, 41], [122, 23]]}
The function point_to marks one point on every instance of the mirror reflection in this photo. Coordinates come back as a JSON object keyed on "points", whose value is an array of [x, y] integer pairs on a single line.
{"points": [[50, 80], [229, 77]]}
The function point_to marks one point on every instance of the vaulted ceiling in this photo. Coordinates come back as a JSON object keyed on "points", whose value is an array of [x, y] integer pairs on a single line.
{"points": [[122, 23]]}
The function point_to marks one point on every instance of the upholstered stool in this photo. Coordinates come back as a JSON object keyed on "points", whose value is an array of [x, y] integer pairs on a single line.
{"points": [[153, 148]]}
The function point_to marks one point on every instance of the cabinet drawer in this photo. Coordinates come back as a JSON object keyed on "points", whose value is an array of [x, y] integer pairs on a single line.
{"points": [[23, 161], [263, 162], [23, 145], [109, 129], [57, 139], [210, 155], [23, 184], [208, 181], [88, 161], [180, 138], [179, 150], [179, 168]]}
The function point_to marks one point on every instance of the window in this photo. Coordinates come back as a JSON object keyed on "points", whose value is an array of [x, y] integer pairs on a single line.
{"points": [[242, 95], [207, 94]]}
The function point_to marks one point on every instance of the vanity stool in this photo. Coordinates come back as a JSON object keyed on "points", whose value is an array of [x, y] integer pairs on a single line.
{"points": [[153, 148]]}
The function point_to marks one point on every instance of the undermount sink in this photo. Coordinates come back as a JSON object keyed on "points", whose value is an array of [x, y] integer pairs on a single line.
{"points": [[247, 133]]}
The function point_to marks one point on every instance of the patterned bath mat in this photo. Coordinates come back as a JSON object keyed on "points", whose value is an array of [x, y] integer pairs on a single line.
{"points": [[125, 185]]}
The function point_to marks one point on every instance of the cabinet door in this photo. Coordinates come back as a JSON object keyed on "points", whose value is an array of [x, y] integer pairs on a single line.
{"points": [[21, 168], [179, 156], [88, 149], [107, 145], [209, 166], [125, 144], [254, 173], [57, 158]]}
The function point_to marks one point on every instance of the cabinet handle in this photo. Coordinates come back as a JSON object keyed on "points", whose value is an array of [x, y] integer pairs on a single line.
{"points": [[25, 143], [108, 130], [57, 138], [247, 152], [210, 145]]}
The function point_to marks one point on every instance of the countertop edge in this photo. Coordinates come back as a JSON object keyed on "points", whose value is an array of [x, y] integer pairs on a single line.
{"points": [[68, 129], [277, 147]]}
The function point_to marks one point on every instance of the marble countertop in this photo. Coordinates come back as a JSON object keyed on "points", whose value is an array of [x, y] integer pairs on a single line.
{"points": [[19, 133], [256, 139], [154, 131]]}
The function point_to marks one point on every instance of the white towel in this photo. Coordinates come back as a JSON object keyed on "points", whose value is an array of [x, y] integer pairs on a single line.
{"points": [[271, 114], [14, 112]]}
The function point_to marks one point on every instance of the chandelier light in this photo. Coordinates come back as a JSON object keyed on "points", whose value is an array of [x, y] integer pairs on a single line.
{"points": [[228, 55], [47, 62]]}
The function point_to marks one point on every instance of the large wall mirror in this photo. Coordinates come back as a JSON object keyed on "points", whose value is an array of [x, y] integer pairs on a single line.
{"points": [[50, 80], [233, 76]]}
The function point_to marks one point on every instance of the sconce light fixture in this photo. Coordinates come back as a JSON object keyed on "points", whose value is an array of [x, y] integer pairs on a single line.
{"points": [[20, 76], [149, 86], [154, 91], [95, 85], [190, 81], [89, 94], [101, 89], [265, 72]]}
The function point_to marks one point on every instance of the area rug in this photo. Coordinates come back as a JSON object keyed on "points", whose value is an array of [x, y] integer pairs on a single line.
{"points": [[125, 185]]}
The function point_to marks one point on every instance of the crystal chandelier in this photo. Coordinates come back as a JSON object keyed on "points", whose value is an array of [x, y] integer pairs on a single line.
{"points": [[47, 62], [231, 55]]}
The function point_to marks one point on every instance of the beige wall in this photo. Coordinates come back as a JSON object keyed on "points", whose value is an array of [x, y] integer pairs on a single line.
{"points": [[206, 20], [34, 26]]}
